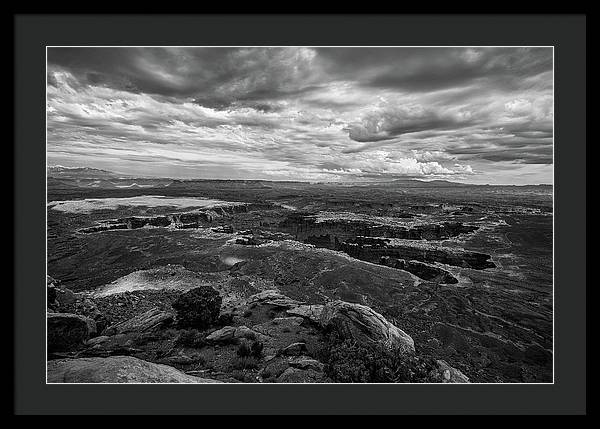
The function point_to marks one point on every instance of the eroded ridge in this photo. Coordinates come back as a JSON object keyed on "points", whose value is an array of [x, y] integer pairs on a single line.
{"points": [[185, 220]]}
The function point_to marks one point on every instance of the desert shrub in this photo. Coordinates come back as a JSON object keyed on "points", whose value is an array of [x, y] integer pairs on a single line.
{"points": [[198, 308], [243, 350], [244, 362], [199, 362], [190, 338], [347, 361], [243, 376], [256, 349], [144, 338], [250, 336], [253, 349]]}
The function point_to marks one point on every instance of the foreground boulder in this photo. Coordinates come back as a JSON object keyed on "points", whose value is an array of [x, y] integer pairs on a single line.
{"points": [[145, 322], [364, 325], [296, 369], [228, 334], [116, 369], [67, 331], [198, 308], [296, 375]]}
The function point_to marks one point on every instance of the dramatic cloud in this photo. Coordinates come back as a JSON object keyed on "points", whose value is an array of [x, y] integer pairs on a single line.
{"points": [[482, 115]]}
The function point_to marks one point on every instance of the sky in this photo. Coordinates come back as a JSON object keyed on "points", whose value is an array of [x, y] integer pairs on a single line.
{"points": [[469, 114]]}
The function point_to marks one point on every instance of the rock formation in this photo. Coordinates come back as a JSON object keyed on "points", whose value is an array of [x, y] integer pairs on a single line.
{"points": [[116, 369], [151, 319], [364, 325], [66, 331]]}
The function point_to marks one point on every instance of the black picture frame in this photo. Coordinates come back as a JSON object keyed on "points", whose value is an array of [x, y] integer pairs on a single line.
{"points": [[567, 33]]}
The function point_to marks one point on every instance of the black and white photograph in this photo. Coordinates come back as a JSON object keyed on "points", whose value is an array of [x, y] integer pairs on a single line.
{"points": [[300, 214]]}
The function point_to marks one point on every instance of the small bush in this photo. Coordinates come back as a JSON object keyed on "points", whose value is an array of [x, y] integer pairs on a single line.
{"points": [[198, 308], [253, 349], [346, 361], [243, 350], [256, 349], [244, 362], [190, 338]]}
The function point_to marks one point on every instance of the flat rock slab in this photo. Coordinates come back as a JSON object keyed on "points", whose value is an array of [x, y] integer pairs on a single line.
{"points": [[305, 362], [294, 349], [116, 369], [229, 333], [273, 297], [151, 319], [310, 312]]}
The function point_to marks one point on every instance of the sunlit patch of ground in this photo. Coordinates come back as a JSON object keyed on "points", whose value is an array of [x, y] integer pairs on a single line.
{"points": [[90, 204], [171, 277]]}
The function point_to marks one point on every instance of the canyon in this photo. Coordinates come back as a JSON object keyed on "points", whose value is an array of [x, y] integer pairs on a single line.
{"points": [[468, 276]]}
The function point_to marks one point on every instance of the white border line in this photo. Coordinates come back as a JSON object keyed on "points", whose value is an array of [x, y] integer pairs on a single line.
{"points": [[315, 46]]}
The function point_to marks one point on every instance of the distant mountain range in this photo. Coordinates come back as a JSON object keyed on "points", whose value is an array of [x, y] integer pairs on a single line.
{"points": [[98, 178], [88, 177], [59, 171]]}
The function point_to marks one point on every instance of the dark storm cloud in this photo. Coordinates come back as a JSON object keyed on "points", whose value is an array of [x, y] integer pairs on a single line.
{"points": [[216, 77], [427, 69], [388, 125], [306, 113]]}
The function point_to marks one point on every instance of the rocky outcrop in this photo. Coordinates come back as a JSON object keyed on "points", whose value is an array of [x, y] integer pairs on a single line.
{"points": [[66, 297], [305, 363], [187, 220], [67, 331], [444, 373], [373, 249], [231, 333], [148, 321], [295, 369], [116, 369], [369, 241], [310, 312], [294, 349], [424, 271], [330, 232], [249, 241], [273, 297], [296, 375], [364, 325]]}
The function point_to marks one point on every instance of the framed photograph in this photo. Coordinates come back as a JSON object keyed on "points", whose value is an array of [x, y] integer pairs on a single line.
{"points": [[276, 221]]}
